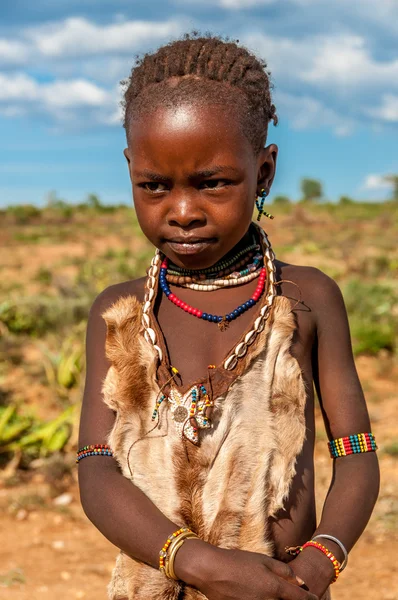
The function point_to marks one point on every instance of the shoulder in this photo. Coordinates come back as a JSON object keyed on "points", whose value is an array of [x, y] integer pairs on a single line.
{"points": [[319, 292], [113, 293]]}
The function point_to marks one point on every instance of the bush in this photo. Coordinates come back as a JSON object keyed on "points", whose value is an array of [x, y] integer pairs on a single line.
{"points": [[372, 309], [23, 213], [38, 314], [281, 200]]}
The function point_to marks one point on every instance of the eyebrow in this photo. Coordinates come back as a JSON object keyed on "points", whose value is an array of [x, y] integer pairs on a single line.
{"points": [[201, 174]]}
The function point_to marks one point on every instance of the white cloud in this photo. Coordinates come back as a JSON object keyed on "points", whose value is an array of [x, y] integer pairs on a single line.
{"points": [[238, 4], [341, 62], [77, 36], [345, 61], [75, 102], [376, 182], [12, 52], [21, 87], [304, 112], [388, 109]]}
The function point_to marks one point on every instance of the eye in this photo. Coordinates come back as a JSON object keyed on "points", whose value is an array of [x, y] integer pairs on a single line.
{"points": [[214, 184], [153, 187]]}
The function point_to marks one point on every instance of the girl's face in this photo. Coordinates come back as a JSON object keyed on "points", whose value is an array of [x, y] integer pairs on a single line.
{"points": [[195, 177]]}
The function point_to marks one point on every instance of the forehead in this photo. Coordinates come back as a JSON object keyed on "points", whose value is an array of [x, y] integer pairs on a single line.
{"points": [[189, 136]]}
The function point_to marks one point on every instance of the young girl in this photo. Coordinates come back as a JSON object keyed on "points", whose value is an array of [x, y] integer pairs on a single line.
{"points": [[199, 391]]}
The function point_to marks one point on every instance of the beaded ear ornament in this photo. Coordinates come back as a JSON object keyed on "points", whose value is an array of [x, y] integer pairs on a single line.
{"points": [[260, 205]]}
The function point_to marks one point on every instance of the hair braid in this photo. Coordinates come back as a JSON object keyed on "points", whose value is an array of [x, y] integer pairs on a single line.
{"points": [[184, 70]]}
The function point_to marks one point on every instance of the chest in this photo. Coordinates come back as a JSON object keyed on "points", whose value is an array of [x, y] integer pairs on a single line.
{"points": [[193, 344]]}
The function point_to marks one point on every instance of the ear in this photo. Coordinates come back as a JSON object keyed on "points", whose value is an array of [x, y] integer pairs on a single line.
{"points": [[126, 153], [266, 168]]}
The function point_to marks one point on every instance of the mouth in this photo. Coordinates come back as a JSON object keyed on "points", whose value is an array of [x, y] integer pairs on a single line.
{"points": [[189, 245]]}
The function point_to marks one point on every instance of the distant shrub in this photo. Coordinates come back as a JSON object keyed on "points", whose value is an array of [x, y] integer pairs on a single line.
{"points": [[38, 314], [23, 213], [391, 449], [281, 200], [346, 200], [44, 275], [372, 310], [311, 189]]}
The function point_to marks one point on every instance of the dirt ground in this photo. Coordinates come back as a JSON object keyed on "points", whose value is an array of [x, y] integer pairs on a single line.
{"points": [[50, 550]]}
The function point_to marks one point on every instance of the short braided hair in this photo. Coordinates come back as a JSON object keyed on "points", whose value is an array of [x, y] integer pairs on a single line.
{"points": [[204, 69]]}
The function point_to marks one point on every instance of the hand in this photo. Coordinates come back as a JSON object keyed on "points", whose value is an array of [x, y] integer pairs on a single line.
{"points": [[315, 568], [236, 574]]}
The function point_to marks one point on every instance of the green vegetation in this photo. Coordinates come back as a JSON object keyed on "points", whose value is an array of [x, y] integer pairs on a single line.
{"points": [[311, 190]]}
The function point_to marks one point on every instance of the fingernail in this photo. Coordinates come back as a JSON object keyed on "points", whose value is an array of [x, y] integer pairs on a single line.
{"points": [[300, 581]]}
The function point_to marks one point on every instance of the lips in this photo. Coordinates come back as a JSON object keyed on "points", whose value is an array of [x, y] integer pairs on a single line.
{"points": [[189, 245]]}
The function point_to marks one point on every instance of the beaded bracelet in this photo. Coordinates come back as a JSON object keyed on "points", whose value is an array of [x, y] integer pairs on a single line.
{"points": [[294, 550], [326, 536], [163, 552], [93, 450], [326, 552], [352, 444], [172, 551]]}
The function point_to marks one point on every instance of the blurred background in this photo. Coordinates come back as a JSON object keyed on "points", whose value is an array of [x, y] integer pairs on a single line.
{"points": [[68, 230]]}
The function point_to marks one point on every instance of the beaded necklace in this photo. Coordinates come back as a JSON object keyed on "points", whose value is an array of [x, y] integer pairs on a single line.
{"points": [[224, 278], [222, 320], [220, 265], [191, 411], [231, 360]]}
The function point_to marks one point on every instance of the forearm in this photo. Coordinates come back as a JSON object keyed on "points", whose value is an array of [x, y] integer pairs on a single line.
{"points": [[347, 509], [121, 511]]}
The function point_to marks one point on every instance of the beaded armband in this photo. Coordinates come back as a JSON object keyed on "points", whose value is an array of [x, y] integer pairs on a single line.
{"points": [[93, 450], [352, 444]]}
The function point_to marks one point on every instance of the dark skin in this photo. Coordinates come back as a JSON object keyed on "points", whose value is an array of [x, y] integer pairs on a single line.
{"points": [[194, 173]]}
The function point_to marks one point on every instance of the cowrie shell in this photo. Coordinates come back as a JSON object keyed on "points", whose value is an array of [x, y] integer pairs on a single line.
{"points": [[261, 326], [249, 338], [241, 350], [150, 294], [150, 335], [145, 320], [146, 307], [257, 323], [231, 362], [158, 351]]}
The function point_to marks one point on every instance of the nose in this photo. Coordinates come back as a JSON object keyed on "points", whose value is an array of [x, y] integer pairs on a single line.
{"points": [[185, 211]]}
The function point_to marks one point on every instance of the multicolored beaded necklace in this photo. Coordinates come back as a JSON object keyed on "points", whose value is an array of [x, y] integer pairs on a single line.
{"points": [[216, 281], [191, 411]]}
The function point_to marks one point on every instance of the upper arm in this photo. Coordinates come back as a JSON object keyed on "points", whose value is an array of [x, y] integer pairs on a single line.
{"points": [[96, 418], [335, 375]]}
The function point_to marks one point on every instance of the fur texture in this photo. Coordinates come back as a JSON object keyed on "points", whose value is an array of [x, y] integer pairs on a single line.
{"points": [[240, 474]]}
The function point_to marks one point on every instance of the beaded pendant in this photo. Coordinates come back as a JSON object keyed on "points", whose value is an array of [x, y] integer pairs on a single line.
{"points": [[190, 411]]}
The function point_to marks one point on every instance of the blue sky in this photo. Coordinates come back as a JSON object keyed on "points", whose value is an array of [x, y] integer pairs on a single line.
{"points": [[334, 67]]}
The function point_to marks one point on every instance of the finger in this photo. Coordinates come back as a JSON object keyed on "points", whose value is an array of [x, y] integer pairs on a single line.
{"points": [[283, 570], [286, 591]]}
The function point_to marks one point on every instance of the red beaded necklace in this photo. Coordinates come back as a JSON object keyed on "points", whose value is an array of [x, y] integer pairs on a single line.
{"points": [[222, 320]]}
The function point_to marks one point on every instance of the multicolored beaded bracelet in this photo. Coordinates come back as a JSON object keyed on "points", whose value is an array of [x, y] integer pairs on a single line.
{"points": [[163, 552], [93, 450], [352, 444]]}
